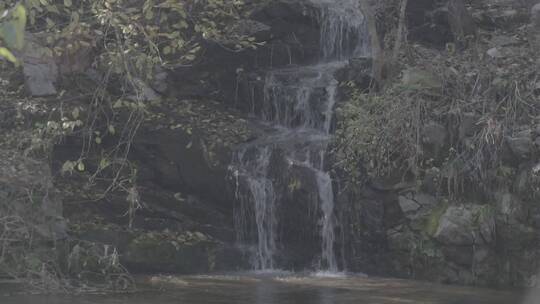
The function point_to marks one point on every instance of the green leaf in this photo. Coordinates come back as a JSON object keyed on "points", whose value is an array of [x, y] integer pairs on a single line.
{"points": [[5, 53], [75, 113], [80, 166], [12, 31], [111, 130], [104, 163], [68, 166]]}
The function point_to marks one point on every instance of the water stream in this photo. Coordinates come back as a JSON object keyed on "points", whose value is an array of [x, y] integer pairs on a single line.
{"points": [[298, 108]]}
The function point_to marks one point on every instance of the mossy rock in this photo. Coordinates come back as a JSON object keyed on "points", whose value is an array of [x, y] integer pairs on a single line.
{"points": [[431, 223]]}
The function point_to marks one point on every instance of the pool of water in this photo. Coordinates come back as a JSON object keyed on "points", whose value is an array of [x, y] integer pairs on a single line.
{"points": [[283, 288]]}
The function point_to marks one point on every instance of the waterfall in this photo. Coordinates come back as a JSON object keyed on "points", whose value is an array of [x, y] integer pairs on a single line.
{"points": [[262, 196], [326, 194], [343, 31], [298, 108]]}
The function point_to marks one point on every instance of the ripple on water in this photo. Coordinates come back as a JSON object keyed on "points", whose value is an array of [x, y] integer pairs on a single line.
{"points": [[330, 274]]}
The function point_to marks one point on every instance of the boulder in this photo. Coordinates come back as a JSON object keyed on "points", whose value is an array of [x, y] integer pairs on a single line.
{"points": [[466, 225]]}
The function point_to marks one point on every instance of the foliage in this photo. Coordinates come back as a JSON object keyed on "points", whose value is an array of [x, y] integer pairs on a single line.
{"points": [[72, 267], [12, 27], [473, 97], [151, 33], [126, 42]]}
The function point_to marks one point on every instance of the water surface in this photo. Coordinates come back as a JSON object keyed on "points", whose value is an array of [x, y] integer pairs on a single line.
{"points": [[285, 289]]}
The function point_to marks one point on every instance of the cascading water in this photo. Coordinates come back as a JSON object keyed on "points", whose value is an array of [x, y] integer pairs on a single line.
{"points": [[263, 196], [343, 31], [298, 107]]}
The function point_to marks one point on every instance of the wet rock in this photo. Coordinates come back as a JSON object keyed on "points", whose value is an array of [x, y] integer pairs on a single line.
{"points": [[359, 71], [364, 216]]}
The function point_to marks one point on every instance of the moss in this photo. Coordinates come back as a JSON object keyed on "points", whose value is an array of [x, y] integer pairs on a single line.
{"points": [[294, 185], [432, 221]]}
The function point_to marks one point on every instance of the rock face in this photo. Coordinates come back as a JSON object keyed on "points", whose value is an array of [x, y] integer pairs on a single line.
{"points": [[452, 244], [187, 151], [383, 228], [147, 251], [291, 35], [193, 151]]}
